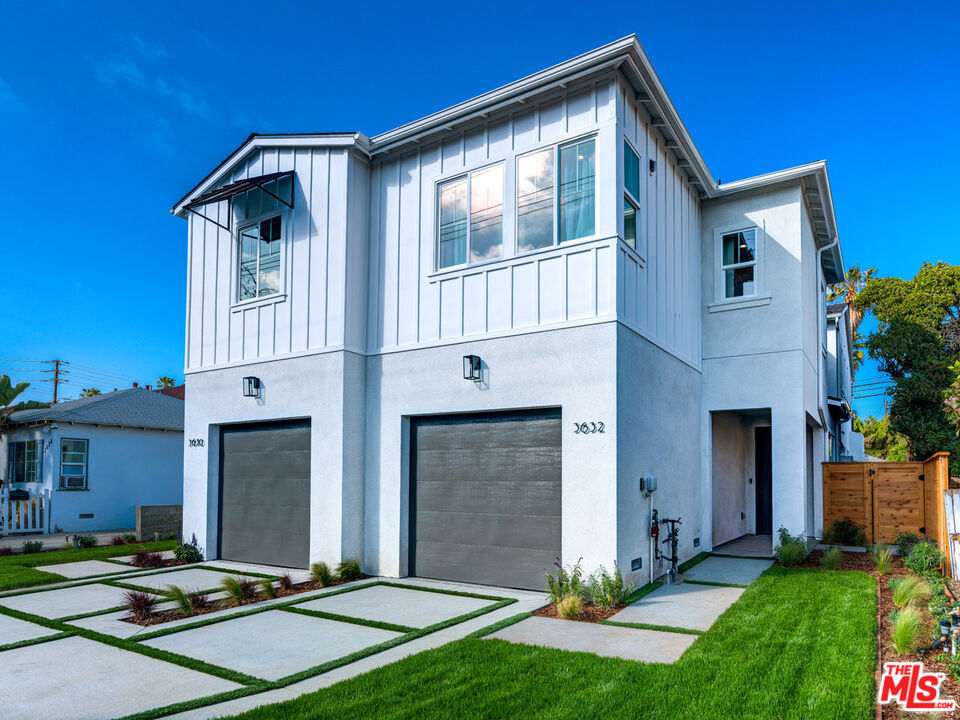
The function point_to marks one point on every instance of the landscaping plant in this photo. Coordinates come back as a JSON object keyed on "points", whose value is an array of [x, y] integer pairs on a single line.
{"points": [[924, 557], [905, 541], [831, 558], [570, 606], [286, 581], [199, 601], [349, 570], [129, 538], [608, 590], [792, 549], [117, 540], [188, 552], [905, 628], [909, 590], [267, 588], [32, 546], [139, 604], [565, 581], [321, 573], [844, 532], [239, 589], [85, 541], [181, 598], [882, 556], [4, 551]]}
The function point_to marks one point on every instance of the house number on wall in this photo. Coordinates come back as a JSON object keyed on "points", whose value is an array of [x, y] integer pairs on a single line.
{"points": [[195, 442], [588, 428]]}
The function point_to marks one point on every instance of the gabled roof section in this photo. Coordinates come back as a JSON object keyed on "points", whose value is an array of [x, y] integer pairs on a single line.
{"points": [[138, 408]]}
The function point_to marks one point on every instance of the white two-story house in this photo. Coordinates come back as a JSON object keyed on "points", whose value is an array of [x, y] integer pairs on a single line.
{"points": [[462, 348]]}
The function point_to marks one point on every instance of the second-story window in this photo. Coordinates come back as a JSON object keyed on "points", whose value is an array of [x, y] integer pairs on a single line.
{"points": [[739, 263], [260, 259], [631, 195], [471, 218]]}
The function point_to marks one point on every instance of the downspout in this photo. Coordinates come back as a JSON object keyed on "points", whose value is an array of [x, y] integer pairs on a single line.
{"points": [[830, 246]]}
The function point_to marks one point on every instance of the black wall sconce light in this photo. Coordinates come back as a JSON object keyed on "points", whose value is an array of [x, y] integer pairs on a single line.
{"points": [[471, 368], [251, 387], [653, 166]]}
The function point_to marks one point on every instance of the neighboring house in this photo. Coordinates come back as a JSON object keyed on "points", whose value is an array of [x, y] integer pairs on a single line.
{"points": [[843, 442], [456, 349], [86, 464]]}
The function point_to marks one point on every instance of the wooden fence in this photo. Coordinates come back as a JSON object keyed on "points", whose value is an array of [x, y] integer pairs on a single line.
{"points": [[886, 498]]}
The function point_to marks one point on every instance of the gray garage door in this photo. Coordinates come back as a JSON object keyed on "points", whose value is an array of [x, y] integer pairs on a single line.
{"points": [[485, 497], [265, 493]]}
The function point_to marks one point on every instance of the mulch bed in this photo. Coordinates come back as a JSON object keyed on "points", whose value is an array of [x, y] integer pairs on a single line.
{"points": [[166, 616], [589, 613], [165, 564]]}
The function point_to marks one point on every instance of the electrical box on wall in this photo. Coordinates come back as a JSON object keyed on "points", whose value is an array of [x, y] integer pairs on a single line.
{"points": [[648, 484]]}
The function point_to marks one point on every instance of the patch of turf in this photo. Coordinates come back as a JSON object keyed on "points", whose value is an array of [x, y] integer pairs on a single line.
{"points": [[695, 560], [648, 626], [13, 577], [75, 555], [92, 613], [347, 619], [797, 644], [642, 591], [35, 641], [506, 622]]}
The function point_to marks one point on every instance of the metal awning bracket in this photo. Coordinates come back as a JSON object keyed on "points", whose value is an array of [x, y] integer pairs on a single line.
{"points": [[208, 219]]}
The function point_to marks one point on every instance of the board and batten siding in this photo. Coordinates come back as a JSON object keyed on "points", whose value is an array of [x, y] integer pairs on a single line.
{"points": [[659, 284], [412, 303], [314, 308]]}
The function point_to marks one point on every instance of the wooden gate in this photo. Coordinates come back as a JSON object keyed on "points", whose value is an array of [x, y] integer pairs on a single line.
{"points": [[887, 498]]}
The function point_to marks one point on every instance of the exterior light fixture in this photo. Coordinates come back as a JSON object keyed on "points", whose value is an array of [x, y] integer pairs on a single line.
{"points": [[653, 166], [471, 368], [251, 387]]}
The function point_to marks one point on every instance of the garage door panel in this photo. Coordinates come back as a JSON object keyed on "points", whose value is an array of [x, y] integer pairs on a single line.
{"points": [[509, 498], [265, 494], [514, 531], [499, 565]]}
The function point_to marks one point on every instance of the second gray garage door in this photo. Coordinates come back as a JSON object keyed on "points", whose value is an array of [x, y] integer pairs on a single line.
{"points": [[485, 497], [265, 493]]}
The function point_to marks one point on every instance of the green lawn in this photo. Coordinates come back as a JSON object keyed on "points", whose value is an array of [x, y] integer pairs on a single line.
{"points": [[798, 644], [17, 571]]}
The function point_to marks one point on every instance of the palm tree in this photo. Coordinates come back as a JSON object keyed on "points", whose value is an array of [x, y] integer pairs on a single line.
{"points": [[166, 382], [89, 392], [847, 291], [8, 393]]}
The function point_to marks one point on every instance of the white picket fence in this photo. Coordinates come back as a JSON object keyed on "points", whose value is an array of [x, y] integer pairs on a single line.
{"points": [[951, 504], [28, 515]]}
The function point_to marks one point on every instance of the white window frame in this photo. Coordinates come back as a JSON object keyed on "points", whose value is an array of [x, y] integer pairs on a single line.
{"points": [[255, 221], [38, 461], [468, 174], [628, 196], [555, 147], [756, 263], [86, 465]]}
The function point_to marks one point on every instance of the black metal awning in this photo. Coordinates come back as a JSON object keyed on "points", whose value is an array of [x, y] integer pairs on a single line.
{"points": [[839, 409], [227, 192]]}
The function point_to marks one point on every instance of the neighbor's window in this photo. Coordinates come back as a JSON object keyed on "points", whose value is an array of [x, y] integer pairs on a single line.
{"points": [[73, 464], [631, 194], [24, 461], [471, 218], [260, 259], [739, 263]]}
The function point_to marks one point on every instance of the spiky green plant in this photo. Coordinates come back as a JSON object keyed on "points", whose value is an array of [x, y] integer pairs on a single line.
{"points": [[831, 558], [321, 573], [909, 590], [181, 599], [350, 569], [882, 556], [238, 589], [905, 629], [267, 588], [570, 606], [791, 553]]}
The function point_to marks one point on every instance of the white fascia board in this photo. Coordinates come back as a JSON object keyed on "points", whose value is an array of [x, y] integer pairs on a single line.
{"points": [[358, 141]]}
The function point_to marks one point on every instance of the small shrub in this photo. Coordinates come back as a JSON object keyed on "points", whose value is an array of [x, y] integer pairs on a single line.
{"points": [[565, 581], [181, 599], [905, 630], [321, 573], [608, 590], [129, 538], [909, 590], [792, 549], [844, 532], [32, 546], [285, 582], [199, 601], [140, 605], [117, 540], [831, 558], [188, 552], [267, 588], [349, 570], [570, 606], [924, 557], [4, 551], [882, 556], [905, 541], [86, 541], [168, 535], [154, 560], [239, 589], [139, 558]]}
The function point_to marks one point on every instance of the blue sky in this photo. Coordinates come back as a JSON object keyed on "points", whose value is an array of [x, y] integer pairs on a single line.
{"points": [[111, 111]]}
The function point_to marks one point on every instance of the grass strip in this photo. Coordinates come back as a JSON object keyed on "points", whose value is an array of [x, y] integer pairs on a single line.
{"points": [[715, 584], [124, 644], [348, 619], [316, 670], [35, 641], [442, 591], [642, 591], [132, 586], [695, 560], [506, 622], [648, 626], [55, 557], [92, 580], [94, 613]]}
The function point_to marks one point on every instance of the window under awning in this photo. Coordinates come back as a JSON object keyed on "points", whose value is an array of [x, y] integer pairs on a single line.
{"points": [[227, 192], [839, 409]]}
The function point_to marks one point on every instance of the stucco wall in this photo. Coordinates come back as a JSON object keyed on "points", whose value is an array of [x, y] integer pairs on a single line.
{"points": [[733, 467]]}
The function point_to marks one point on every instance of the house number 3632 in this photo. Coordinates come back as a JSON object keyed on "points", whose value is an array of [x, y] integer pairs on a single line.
{"points": [[588, 428], [195, 442]]}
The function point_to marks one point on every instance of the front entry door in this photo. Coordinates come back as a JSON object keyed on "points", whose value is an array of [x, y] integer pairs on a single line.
{"points": [[764, 470]]}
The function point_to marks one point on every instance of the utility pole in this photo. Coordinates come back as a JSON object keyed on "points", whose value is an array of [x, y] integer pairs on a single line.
{"points": [[56, 377]]}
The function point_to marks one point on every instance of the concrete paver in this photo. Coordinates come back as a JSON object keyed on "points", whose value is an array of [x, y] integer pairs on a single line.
{"points": [[85, 568], [80, 679], [190, 579], [166, 554], [67, 601], [686, 605], [399, 606], [298, 574], [13, 630], [273, 644], [737, 571], [650, 646]]}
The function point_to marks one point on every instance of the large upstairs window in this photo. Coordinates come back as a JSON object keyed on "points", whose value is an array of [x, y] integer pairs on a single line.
{"points": [[738, 264], [471, 218]]}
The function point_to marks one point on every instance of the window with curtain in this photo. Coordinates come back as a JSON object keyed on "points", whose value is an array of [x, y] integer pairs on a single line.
{"points": [[631, 195], [73, 464], [739, 263], [24, 461], [577, 190], [260, 259], [471, 218]]}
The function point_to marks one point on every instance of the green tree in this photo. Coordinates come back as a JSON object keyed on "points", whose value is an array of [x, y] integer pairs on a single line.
{"points": [[10, 392], [166, 382], [916, 344], [848, 291], [880, 441], [89, 392]]}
